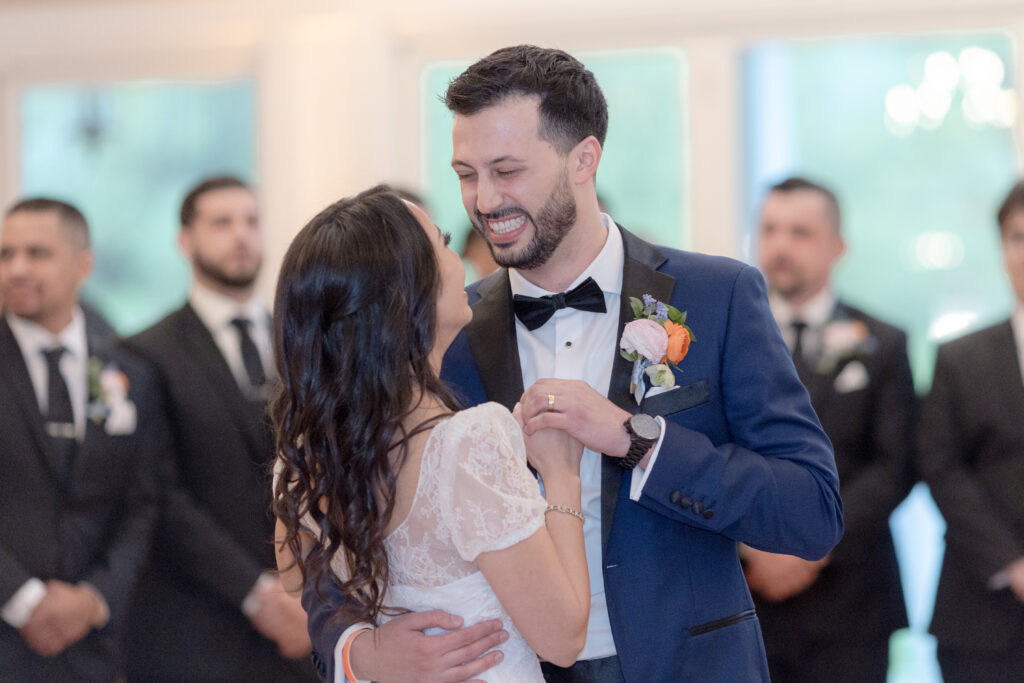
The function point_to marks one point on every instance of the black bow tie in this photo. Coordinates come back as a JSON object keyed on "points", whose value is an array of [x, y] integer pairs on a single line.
{"points": [[535, 311]]}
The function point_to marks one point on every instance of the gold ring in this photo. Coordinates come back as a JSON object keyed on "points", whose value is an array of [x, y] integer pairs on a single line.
{"points": [[551, 403]]}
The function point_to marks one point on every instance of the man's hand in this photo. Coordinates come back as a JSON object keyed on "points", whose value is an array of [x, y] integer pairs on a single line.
{"points": [[400, 651], [1016, 576], [64, 616], [779, 577], [581, 411], [280, 618]]}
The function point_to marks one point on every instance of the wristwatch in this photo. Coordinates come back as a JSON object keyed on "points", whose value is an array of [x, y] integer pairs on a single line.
{"points": [[644, 432]]}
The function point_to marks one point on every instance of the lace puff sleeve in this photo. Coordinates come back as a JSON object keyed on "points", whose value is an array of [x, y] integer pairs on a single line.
{"points": [[489, 498]]}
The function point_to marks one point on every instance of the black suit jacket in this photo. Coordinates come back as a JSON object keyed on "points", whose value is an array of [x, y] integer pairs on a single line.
{"points": [[971, 453], [857, 597], [94, 527], [215, 534]]}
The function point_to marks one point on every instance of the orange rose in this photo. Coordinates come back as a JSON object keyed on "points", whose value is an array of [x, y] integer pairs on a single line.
{"points": [[678, 341]]}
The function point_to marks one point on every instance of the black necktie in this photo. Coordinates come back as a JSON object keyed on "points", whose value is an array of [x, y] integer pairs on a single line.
{"points": [[250, 356], [799, 327], [535, 311], [60, 417]]}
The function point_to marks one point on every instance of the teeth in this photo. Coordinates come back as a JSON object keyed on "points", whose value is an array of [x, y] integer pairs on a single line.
{"points": [[502, 227]]}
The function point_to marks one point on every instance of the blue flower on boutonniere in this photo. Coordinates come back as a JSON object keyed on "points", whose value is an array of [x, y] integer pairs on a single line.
{"points": [[108, 398], [656, 341]]}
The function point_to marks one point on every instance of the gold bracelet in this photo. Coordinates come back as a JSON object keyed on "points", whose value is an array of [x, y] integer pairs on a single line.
{"points": [[567, 510]]}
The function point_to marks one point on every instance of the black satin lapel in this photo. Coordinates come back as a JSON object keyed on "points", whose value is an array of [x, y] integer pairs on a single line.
{"points": [[15, 374], [639, 277], [207, 354], [492, 340]]}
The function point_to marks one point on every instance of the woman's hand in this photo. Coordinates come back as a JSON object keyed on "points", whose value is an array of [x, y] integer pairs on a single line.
{"points": [[552, 452]]}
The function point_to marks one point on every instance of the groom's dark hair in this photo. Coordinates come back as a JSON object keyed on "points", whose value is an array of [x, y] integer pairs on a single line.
{"points": [[572, 106]]}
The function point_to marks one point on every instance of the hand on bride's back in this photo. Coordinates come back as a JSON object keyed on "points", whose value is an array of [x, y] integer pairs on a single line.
{"points": [[552, 451]]}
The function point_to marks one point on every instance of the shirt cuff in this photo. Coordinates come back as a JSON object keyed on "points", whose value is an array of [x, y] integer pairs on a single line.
{"points": [[339, 664], [253, 601], [640, 474], [18, 610]]}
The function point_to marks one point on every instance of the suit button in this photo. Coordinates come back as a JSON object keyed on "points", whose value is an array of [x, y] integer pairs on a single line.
{"points": [[684, 502], [697, 507], [675, 497], [708, 514]]}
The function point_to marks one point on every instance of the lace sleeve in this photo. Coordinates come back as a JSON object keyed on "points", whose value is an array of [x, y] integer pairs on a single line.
{"points": [[489, 498]]}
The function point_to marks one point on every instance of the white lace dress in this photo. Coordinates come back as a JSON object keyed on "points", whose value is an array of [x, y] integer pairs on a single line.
{"points": [[474, 495]]}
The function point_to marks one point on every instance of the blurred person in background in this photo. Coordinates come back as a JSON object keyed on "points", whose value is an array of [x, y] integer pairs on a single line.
{"points": [[81, 442], [830, 620], [971, 453], [476, 252], [210, 607]]}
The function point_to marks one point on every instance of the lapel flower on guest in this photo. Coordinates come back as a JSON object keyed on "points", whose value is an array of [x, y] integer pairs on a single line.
{"points": [[841, 340], [655, 342], [109, 404]]}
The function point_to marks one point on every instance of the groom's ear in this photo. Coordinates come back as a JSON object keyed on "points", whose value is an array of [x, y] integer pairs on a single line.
{"points": [[584, 159]]}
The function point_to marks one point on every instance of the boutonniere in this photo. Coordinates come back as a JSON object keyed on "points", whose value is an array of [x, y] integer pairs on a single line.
{"points": [[655, 342], [109, 404], [842, 340]]}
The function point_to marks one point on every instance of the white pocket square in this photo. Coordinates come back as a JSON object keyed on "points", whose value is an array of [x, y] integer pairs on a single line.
{"points": [[853, 377]]}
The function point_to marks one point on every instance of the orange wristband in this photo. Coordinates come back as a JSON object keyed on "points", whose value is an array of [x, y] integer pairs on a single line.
{"points": [[349, 676]]}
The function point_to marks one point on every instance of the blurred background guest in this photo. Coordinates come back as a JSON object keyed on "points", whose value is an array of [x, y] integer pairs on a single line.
{"points": [[831, 620], [80, 440], [476, 252], [971, 453], [209, 608]]}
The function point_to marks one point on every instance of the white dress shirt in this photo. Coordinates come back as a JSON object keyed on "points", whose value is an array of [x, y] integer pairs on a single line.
{"points": [[1017, 323], [582, 345], [33, 339], [216, 311], [816, 313]]}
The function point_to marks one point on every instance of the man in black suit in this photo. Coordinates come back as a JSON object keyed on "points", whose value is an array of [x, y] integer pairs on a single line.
{"points": [[211, 608], [971, 454], [831, 620], [80, 440]]}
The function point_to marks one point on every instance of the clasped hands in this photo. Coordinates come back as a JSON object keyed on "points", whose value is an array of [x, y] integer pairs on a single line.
{"points": [[577, 409], [65, 615]]}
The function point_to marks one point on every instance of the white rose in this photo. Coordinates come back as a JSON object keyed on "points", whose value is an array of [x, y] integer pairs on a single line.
{"points": [[646, 337]]}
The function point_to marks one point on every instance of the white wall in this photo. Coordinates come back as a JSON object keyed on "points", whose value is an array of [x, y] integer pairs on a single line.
{"points": [[338, 81]]}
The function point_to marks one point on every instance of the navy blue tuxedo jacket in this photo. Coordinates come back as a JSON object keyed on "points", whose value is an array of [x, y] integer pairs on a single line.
{"points": [[744, 459]]}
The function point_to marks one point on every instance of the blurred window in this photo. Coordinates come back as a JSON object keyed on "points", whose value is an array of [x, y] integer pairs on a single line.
{"points": [[125, 154]]}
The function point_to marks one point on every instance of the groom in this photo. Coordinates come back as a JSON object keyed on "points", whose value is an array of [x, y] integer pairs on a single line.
{"points": [[733, 453]]}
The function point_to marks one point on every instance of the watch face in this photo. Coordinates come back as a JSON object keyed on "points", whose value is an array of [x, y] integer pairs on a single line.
{"points": [[645, 426]]}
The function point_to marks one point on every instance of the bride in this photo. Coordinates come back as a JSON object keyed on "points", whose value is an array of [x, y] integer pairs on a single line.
{"points": [[382, 485]]}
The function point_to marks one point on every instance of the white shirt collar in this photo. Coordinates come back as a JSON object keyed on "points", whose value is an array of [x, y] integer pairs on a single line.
{"points": [[1017, 323], [815, 312], [217, 310], [34, 338], [606, 268]]}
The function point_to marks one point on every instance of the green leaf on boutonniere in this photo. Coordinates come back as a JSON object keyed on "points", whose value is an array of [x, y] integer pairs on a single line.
{"points": [[637, 306], [693, 337], [631, 357], [676, 316]]}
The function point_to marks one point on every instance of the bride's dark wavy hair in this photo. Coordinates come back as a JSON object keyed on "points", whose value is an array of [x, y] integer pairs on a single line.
{"points": [[354, 319]]}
